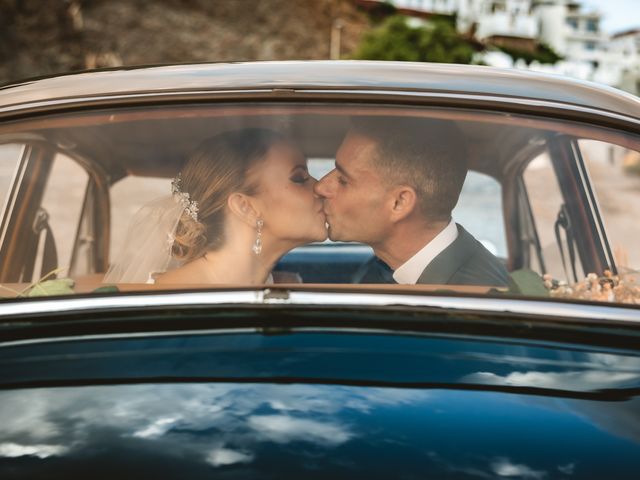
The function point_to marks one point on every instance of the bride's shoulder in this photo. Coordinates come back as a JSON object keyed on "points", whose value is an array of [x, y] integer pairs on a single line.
{"points": [[173, 277], [188, 273]]}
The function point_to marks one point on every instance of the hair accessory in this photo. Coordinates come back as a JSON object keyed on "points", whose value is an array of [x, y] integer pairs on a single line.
{"points": [[257, 246], [190, 206]]}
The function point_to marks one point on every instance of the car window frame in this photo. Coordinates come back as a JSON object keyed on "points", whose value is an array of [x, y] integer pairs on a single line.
{"points": [[539, 120], [25, 197], [589, 236], [592, 246]]}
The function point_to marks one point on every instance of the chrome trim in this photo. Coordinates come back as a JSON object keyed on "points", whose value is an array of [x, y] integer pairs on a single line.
{"points": [[197, 333], [125, 336], [299, 93], [80, 101], [507, 100], [537, 308], [298, 75], [73, 305]]}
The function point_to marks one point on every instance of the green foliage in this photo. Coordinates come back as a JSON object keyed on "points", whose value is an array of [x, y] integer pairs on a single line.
{"points": [[53, 287], [106, 289], [381, 11], [528, 282], [438, 41], [61, 286], [542, 54]]}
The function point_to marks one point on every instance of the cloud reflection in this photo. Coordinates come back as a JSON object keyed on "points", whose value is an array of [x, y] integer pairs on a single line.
{"points": [[567, 469], [503, 467], [221, 424], [599, 371], [156, 429], [285, 429], [225, 456], [9, 449], [579, 381]]}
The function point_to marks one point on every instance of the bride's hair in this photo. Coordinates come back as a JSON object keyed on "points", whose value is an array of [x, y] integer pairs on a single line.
{"points": [[216, 169]]}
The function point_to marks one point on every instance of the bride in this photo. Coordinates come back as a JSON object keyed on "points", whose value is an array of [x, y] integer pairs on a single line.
{"points": [[243, 200]]}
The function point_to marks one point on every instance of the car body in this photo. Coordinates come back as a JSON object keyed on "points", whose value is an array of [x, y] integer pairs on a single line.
{"points": [[342, 375]]}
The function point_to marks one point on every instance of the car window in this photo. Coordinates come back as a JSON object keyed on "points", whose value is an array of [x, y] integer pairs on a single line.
{"points": [[200, 196], [127, 196], [546, 205], [319, 167], [9, 157], [479, 207], [614, 172], [61, 210], [480, 210]]}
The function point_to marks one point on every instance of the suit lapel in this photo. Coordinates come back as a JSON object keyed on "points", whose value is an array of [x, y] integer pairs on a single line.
{"points": [[449, 261]]}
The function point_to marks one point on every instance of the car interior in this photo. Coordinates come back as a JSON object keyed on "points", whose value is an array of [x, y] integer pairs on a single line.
{"points": [[67, 177]]}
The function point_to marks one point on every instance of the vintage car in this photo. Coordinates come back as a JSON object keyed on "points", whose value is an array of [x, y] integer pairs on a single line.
{"points": [[332, 370]]}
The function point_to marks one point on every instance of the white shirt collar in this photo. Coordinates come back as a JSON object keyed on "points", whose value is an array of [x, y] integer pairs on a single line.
{"points": [[409, 272]]}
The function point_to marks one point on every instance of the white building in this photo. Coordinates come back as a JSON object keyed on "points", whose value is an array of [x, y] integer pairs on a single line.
{"points": [[488, 18], [622, 64], [575, 34], [446, 7]]}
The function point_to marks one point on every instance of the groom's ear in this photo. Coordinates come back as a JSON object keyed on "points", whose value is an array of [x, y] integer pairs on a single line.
{"points": [[243, 207], [403, 202]]}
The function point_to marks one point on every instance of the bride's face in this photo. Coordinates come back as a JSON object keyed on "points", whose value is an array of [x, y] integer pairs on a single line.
{"points": [[292, 213]]}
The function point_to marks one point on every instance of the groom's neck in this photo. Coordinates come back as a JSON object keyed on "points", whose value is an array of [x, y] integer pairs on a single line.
{"points": [[405, 240]]}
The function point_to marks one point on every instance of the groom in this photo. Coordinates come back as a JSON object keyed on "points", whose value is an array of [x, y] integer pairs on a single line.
{"points": [[394, 186]]}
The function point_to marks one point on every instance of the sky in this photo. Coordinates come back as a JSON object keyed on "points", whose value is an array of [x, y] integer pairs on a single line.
{"points": [[618, 15]]}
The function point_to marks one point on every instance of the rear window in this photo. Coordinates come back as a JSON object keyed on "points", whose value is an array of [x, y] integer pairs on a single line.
{"points": [[415, 198]]}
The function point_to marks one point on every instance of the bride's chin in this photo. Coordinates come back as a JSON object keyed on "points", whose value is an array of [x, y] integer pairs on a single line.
{"points": [[323, 233], [320, 236]]}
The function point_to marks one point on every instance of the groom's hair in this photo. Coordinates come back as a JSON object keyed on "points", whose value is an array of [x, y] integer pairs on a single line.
{"points": [[428, 155]]}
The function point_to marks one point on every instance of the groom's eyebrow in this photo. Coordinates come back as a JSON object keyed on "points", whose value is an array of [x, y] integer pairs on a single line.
{"points": [[342, 170]]}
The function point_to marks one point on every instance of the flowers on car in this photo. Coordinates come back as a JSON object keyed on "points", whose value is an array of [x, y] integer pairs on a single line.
{"points": [[621, 288]]}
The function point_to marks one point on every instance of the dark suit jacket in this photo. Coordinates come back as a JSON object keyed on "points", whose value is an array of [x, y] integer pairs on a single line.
{"points": [[465, 262]]}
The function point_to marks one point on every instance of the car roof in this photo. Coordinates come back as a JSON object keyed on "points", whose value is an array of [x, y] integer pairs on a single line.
{"points": [[405, 77]]}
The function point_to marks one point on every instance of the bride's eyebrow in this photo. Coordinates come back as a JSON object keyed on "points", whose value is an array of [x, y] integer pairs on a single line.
{"points": [[299, 166]]}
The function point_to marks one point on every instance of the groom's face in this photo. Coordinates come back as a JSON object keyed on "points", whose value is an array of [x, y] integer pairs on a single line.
{"points": [[355, 195]]}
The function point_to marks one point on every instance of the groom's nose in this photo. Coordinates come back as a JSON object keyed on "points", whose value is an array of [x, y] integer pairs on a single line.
{"points": [[323, 187]]}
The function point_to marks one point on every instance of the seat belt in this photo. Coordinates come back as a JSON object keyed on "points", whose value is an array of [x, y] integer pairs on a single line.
{"points": [[49, 251], [563, 222]]}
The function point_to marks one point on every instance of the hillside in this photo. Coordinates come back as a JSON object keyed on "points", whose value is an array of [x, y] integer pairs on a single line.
{"points": [[40, 37]]}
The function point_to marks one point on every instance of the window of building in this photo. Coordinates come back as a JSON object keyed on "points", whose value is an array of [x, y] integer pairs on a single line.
{"points": [[573, 23]]}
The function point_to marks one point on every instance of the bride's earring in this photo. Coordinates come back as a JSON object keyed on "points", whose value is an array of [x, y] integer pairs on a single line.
{"points": [[257, 246]]}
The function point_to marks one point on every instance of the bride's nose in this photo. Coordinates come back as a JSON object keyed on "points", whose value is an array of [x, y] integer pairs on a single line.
{"points": [[312, 183], [319, 187]]}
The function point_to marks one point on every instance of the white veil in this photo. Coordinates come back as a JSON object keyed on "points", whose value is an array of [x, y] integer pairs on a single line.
{"points": [[147, 247]]}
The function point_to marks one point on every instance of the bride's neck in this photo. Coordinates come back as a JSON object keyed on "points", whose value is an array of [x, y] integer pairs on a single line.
{"points": [[237, 264]]}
